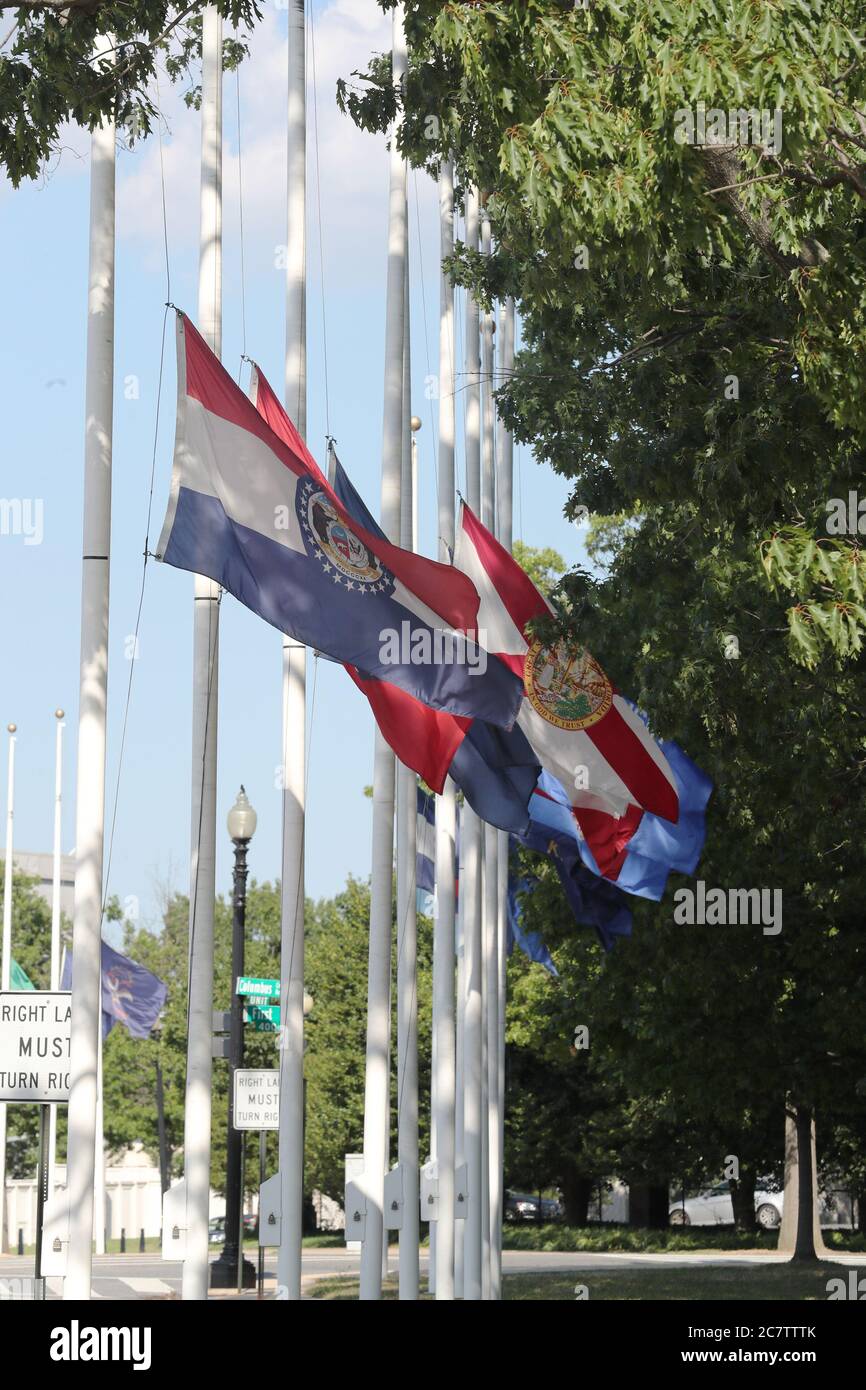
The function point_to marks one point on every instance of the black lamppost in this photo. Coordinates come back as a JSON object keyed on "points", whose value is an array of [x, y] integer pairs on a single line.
{"points": [[224, 1271]]}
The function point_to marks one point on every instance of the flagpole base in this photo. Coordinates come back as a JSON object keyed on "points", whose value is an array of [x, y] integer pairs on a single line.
{"points": [[224, 1272]]}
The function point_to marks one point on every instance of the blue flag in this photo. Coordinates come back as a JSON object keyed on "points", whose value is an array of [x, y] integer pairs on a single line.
{"points": [[425, 856], [593, 901], [131, 994], [530, 942], [496, 770]]}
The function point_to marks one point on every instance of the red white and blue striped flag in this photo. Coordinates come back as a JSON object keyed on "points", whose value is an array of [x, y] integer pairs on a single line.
{"points": [[256, 515]]}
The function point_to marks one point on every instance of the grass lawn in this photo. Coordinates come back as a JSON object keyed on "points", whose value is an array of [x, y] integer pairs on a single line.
{"points": [[757, 1283]]}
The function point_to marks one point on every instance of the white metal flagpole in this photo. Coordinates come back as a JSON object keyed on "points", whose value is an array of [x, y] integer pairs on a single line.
{"points": [[93, 698], [504, 493], [99, 1212], [459, 1039], [55, 922], [6, 961], [199, 1066], [471, 852], [492, 1211], [382, 867], [294, 761], [407, 921], [446, 804]]}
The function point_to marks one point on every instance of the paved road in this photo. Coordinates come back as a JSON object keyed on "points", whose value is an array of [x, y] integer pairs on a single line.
{"points": [[142, 1277]]}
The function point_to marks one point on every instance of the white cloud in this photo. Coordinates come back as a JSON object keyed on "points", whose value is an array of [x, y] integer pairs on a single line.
{"points": [[353, 164]]}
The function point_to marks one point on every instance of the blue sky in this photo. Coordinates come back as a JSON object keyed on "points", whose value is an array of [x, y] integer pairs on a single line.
{"points": [[43, 246]]}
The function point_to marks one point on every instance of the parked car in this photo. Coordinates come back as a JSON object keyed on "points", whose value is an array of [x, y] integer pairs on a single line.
{"points": [[519, 1206], [714, 1207], [216, 1231], [522, 1206], [217, 1228]]}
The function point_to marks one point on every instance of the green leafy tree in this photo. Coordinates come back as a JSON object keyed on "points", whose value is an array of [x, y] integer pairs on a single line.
{"points": [[50, 76], [336, 973], [692, 322], [544, 566], [702, 165]]}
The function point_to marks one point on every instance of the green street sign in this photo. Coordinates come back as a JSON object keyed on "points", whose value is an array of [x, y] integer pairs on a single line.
{"points": [[250, 984], [262, 1013]]}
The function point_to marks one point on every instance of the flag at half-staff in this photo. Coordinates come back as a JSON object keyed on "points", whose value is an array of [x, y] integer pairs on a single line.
{"points": [[581, 729], [247, 510], [637, 851], [131, 994], [495, 768], [553, 832]]}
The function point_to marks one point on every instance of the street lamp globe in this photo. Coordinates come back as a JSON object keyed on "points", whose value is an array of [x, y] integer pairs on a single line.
{"points": [[242, 819]]}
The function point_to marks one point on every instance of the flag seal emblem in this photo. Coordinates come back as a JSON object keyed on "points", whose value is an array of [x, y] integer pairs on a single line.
{"points": [[342, 554], [566, 686]]}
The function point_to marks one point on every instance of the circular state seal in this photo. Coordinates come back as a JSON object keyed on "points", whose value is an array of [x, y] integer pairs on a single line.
{"points": [[566, 685], [343, 556]]}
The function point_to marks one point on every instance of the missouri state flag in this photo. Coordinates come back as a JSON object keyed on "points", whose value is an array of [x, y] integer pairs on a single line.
{"points": [[582, 730], [251, 511], [495, 768]]}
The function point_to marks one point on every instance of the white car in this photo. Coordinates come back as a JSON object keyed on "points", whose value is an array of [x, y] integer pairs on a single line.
{"points": [[713, 1207]]}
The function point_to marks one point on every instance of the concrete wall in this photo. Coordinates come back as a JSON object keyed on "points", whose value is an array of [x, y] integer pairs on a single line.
{"points": [[132, 1200]]}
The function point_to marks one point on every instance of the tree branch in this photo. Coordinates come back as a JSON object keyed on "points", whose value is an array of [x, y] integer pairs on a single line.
{"points": [[723, 167]]}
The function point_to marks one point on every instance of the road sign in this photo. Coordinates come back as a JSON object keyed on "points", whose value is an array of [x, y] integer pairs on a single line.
{"points": [[249, 984], [257, 1099], [263, 1025], [34, 1046], [262, 1013]]}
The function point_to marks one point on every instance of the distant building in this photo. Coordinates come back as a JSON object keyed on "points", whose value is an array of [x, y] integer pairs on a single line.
{"points": [[41, 867]]}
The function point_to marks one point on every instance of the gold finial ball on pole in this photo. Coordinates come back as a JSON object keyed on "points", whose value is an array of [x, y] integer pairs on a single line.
{"points": [[12, 728], [415, 424], [58, 714]]}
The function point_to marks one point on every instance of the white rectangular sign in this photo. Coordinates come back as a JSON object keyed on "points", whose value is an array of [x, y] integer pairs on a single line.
{"points": [[257, 1099], [34, 1045]]}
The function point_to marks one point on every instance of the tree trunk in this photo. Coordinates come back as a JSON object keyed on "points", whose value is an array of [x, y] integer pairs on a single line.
{"points": [[659, 1206], [648, 1205], [743, 1200], [576, 1194], [804, 1243]]}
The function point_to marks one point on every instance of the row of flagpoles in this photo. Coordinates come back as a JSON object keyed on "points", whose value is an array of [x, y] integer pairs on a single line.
{"points": [[468, 1016]]}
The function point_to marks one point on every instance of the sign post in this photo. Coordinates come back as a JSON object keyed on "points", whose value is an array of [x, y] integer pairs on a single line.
{"points": [[263, 1018], [42, 1191], [34, 1046], [257, 1106], [263, 1140], [35, 1027], [250, 984], [256, 1099]]}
